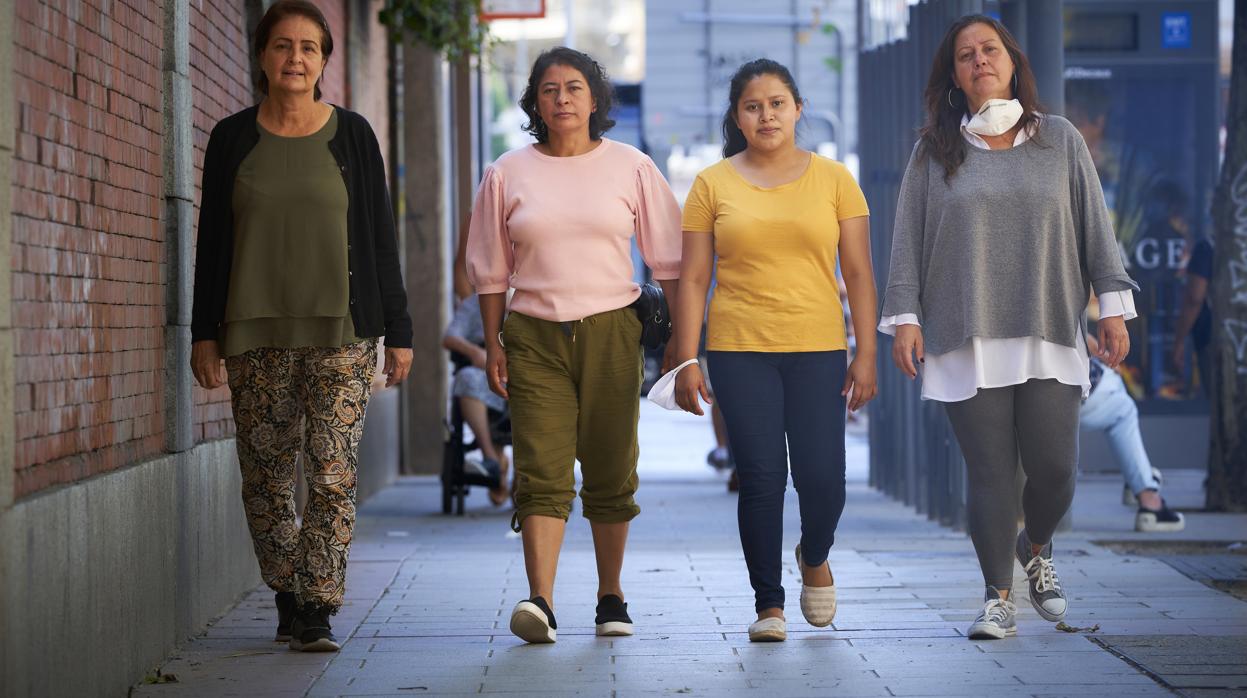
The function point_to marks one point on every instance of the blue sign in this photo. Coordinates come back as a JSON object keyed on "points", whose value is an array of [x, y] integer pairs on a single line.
{"points": [[1175, 30]]}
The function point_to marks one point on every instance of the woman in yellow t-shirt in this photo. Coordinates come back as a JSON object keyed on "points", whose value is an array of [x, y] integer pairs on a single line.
{"points": [[776, 217]]}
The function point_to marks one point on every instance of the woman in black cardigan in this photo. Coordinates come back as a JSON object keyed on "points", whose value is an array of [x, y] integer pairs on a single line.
{"points": [[297, 275]]}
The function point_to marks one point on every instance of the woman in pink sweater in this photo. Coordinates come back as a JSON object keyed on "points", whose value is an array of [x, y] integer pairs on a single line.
{"points": [[554, 220]]}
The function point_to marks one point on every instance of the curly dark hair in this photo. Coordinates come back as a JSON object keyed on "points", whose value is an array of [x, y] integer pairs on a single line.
{"points": [[599, 86], [941, 135], [281, 10]]}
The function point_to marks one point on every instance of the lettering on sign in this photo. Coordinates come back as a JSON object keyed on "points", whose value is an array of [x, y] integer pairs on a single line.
{"points": [[1236, 330]]}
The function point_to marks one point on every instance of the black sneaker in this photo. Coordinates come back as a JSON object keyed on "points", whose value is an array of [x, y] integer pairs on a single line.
{"points": [[533, 621], [1161, 520], [287, 606], [612, 619], [310, 631]]}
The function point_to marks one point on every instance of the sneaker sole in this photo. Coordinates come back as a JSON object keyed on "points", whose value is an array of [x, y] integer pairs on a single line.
{"points": [[614, 628], [990, 632], [1161, 527], [529, 624], [321, 645], [1151, 525]]}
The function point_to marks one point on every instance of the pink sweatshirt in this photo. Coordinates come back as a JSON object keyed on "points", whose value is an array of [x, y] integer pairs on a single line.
{"points": [[559, 230]]}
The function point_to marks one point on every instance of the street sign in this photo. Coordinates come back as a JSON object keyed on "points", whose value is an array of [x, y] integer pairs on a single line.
{"points": [[512, 9], [1175, 30]]}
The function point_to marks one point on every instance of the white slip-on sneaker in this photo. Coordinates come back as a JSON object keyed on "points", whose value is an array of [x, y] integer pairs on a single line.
{"points": [[997, 620], [818, 604], [768, 630], [533, 621]]}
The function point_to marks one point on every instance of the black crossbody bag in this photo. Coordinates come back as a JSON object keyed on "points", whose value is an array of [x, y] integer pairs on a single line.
{"points": [[651, 309]]}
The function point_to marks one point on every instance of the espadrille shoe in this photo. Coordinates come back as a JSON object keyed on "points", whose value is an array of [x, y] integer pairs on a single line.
{"points": [[768, 630], [818, 604]]}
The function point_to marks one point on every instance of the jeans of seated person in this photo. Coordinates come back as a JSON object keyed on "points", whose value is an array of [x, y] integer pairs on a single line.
{"points": [[1110, 409]]}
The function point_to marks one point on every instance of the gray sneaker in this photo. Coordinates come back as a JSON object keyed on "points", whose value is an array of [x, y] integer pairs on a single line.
{"points": [[998, 618], [1044, 587]]}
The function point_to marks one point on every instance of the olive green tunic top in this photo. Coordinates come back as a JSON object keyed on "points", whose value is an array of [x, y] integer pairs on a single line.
{"points": [[288, 287]]}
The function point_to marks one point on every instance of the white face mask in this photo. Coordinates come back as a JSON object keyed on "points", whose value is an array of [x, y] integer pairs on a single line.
{"points": [[995, 117], [663, 392]]}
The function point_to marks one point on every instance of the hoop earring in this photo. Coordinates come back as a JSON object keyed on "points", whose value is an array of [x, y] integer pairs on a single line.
{"points": [[1015, 84], [950, 98]]}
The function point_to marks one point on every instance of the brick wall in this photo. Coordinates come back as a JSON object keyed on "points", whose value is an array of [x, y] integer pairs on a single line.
{"points": [[220, 85], [87, 255], [88, 252]]}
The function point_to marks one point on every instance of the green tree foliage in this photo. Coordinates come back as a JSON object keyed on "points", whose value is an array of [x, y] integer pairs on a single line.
{"points": [[447, 26]]}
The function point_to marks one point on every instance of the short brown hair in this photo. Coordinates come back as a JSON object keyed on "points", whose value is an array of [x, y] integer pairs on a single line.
{"points": [[281, 10]]}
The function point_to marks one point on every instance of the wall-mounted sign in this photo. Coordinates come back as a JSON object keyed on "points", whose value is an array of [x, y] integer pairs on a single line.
{"points": [[1175, 30], [512, 9]]}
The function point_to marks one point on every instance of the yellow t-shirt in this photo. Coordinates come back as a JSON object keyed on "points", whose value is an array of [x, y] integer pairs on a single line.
{"points": [[776, 255]]}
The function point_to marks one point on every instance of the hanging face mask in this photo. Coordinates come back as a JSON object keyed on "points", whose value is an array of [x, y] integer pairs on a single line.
{"points": [[995, 117], [663, 392]]}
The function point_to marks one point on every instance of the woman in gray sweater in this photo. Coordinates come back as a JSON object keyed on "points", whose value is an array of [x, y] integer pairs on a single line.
{"points": [[1001, 232]]}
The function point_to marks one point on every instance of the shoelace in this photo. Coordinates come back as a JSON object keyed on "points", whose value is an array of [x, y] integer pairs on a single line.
{"points": [[997, 610], [1041, 571]]}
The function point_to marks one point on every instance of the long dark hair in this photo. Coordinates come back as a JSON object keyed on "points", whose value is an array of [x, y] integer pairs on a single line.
{"points": [[281, 10], [733, 138], [941, 135], [599, 86]]}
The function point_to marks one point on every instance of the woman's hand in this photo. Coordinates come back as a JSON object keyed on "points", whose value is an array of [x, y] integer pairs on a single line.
{"points": [[397, 365], [906, 348], [859, 383], [689, 384], [206, 363], [496, 369], [1114, 340]]}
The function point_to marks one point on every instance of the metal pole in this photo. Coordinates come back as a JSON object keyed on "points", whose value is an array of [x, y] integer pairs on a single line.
{"points": [[1046, 51]]}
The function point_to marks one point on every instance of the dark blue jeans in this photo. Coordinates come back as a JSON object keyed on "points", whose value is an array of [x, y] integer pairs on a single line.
{"points": [[766, 397]]}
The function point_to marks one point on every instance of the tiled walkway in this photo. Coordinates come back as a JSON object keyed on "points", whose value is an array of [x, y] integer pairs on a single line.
{"points": [[430, 596]]}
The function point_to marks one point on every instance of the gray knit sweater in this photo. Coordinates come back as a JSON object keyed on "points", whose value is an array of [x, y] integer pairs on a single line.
{"points": [[1008, 247]]}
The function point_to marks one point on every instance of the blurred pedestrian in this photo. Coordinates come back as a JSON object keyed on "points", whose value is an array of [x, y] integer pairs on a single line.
{"points": [[777, 217], [1195, 314], [466, 337], [1001, 229], [554, 220], [1109, 408], [296, 276]]}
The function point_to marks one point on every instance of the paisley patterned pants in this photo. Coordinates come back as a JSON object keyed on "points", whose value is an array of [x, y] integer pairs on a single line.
{"points": [[310, 400]]}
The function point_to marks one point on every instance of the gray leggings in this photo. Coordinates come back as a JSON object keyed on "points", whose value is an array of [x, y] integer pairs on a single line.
{"points": [[1036, 422]]}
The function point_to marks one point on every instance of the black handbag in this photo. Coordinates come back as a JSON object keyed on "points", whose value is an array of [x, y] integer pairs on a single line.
{"points": [[651, 309]]}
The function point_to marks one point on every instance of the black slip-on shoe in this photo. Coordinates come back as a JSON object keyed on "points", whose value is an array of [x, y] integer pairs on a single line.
{"points": [[1162, 520], [310, 631], [612, 617], [287, 607], [533, 621]]}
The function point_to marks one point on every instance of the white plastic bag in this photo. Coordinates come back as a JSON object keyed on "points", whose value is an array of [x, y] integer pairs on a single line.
{"points": [[663, 392]]}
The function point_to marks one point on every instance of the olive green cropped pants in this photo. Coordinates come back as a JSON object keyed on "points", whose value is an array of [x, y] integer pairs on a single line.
{"points": [[575, 395]]}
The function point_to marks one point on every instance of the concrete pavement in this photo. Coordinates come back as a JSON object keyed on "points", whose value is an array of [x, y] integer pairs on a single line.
{"points": [[429, 597]]}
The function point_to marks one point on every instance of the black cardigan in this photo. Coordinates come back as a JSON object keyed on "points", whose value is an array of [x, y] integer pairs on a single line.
{"points": [[378, 302]]}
